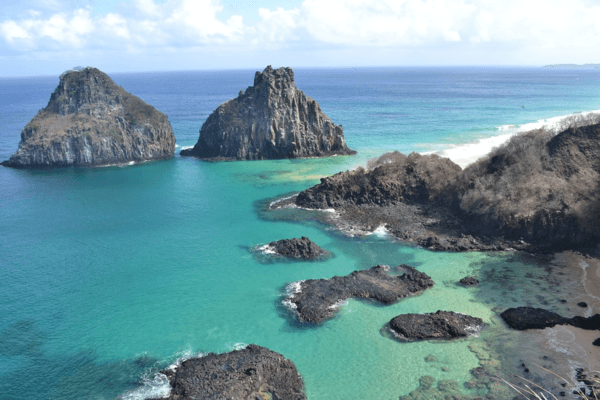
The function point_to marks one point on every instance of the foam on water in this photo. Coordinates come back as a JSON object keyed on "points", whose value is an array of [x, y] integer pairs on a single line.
{"points": [[266, 249], [290, 291]]}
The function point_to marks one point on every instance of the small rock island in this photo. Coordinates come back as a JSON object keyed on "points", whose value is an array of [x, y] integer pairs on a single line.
{"points": [[439, 325], [254, 372], [270, 120], [90, 121], [302, 248]]}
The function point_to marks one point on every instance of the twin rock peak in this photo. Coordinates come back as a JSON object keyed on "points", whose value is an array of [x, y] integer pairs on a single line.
{"points": [[91, 121]]}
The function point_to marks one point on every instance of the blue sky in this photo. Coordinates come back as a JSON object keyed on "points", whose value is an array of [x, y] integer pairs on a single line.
{"points": [[46, 37]]}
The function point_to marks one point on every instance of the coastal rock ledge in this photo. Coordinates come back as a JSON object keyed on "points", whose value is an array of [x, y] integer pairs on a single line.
{"points": [[248, 374], [270, 120], [317, 299], [90, 121], [439, 325]]}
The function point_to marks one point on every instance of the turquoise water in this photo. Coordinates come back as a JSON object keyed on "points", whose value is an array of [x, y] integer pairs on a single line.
{"points": [[109, 274]]}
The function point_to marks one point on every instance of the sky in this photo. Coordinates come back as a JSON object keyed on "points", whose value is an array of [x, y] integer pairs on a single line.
{"points": [[47, 37]]}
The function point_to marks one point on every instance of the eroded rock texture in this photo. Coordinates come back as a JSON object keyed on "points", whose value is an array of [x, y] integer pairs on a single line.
{"points": [[439, 325], [270, 120], [316, 299], [249, 374], [302, 248], [90, 121]]}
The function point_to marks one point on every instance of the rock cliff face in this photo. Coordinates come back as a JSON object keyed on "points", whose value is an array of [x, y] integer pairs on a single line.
{"points": [[90, 121], [270, 120]]}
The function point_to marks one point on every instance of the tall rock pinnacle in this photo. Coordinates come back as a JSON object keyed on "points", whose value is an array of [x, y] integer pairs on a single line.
{"points": [[270, 120]]}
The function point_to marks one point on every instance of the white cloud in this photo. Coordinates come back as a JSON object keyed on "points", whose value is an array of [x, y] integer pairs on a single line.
{"points": [[386, 24]]}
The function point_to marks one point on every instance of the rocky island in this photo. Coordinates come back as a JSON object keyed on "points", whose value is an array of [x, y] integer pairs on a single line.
{"points": [[537, 192], [90, 121], [270, 120], [316, 299], [439, 325], [302, 248], [523, 318], [248, 374]]}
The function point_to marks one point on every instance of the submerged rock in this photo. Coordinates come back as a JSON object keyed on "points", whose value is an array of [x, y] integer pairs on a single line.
{"points": [[522, 318], [90, 121], [316, 299], [439, 325], [249, 374], [469, 281], [270, 120], [302, 248]]}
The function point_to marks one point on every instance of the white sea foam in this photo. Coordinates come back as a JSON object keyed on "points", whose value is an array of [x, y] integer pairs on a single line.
{"points": [[186, 147], [155, 387], [466, 153], [236, 346], [380, 231], [275, 202], [290, 291], [338, 305], [266, 249]]}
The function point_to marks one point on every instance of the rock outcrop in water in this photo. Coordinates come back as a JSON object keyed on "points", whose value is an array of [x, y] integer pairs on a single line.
{"points": [[249, 374], [90, 121], [469, 281], [302, 248], [537, 192], [523, 318], [439, 325], [270, 120], [316, 299]]}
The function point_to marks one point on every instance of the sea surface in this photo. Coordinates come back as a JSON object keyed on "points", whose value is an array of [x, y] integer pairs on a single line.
{"points": [[108, 275]]}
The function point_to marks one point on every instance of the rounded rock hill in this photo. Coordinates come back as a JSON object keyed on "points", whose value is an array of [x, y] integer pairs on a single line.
{"points": [[91, 121], [270, 120]]}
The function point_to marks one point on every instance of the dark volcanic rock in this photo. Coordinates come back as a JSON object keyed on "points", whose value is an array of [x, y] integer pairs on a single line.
{"points": [[596, 342], [90, 121], [298, 248], [270, 120], [582, 304], [249, 374], [522, 318], [439, 325], [316, 299], [469, 281]]}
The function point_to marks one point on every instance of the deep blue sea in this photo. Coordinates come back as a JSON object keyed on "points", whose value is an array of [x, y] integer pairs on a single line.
{"points": [[109, 274]]}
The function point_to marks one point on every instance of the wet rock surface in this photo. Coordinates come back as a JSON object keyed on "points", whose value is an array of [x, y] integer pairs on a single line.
{"points": [[469, 281], [270, 120], [439, 325], [90, 121], [317, 299], [249, 374], [522, 318], [302, 248]]}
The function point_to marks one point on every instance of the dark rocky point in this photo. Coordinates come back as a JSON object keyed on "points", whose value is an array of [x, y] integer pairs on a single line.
{"points": [[302, 248], [317, 298], [469, 281], [270, 120], [90, 121], [249, 374], [439, 325], [522, 318], [596, 342], [490, 205]]}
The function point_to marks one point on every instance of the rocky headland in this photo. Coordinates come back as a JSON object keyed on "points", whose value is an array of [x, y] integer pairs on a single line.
{"points": [[302, 248], [317, 299], [270, 120], [537, 192], [439, 325], [248, 374], [90, 121], [523, 318]]}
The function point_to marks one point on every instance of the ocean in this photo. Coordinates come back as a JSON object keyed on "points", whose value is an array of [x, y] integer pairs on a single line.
{"points": [[108, 275]]}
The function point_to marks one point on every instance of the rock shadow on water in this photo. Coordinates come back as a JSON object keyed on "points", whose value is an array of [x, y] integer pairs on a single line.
{"points": [[38, 374]]}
